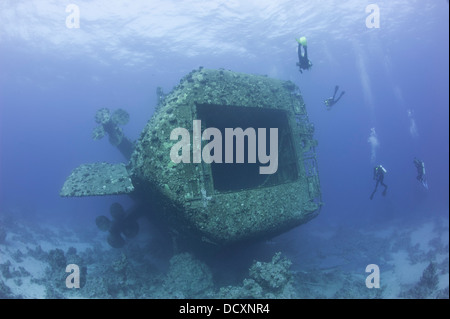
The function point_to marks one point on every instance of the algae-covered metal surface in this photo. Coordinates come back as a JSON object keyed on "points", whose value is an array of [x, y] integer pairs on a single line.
{"points": [[97, 179], [222, 203], [270, 205]]}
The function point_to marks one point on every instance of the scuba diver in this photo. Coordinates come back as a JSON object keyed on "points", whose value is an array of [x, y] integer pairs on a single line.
{"points": [[378, 175], [332, 100], [420, 165], [303, 62]]}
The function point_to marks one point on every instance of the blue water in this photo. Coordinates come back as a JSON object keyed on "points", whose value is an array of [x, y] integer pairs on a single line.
{"points": [[396, 79]]}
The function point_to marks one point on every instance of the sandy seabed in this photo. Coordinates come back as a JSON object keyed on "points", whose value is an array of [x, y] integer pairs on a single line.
{"points": [[309, 262]]}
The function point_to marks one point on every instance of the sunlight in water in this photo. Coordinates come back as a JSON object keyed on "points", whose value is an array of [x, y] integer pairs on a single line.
{"points": [[374, 144], [412, 124]]}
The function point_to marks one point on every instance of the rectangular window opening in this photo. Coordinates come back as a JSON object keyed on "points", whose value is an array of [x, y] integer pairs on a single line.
{"points": [[230, 177]]}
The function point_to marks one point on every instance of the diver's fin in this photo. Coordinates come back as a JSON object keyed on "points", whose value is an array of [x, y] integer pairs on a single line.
{"points": [[97, 179]]}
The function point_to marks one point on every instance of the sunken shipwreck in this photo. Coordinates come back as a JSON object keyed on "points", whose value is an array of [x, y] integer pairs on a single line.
{"points": [[209, 202]]}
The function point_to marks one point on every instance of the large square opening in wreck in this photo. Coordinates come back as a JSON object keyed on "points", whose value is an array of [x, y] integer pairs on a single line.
{"points": [[230, 177]]}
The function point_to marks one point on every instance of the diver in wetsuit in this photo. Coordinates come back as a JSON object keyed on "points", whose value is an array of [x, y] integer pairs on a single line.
{"points": [[303, 61], [420, 166], [332, 100], [378, 175]]}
